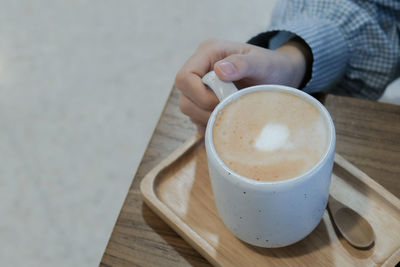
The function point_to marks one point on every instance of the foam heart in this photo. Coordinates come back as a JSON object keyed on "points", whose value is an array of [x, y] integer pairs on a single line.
{"points": [[272, 137]]}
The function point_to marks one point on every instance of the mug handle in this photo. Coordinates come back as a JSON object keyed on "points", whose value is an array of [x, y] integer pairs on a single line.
{"points": [[221, 88]]}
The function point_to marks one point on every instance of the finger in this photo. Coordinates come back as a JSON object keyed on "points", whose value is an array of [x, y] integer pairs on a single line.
{"points": [[233, 67], [201, 129], [193, 111], [194, 121], [188, 80], [255, 66], [193, 88]]}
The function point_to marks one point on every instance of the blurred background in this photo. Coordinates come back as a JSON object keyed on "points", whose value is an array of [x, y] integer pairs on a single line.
{"points": [[82, 86]]}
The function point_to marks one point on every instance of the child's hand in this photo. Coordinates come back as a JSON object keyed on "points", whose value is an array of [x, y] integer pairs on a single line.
{"points": [[244, 64]]}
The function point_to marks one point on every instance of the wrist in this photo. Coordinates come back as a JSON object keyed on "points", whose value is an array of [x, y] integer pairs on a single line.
{"points": [[300, 58]]}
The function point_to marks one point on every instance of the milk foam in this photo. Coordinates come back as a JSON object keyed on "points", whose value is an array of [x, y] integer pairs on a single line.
{"points": [[270, 136]]}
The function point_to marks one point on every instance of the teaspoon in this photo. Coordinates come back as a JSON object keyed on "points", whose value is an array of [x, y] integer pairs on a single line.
{"points": [[354, 228]]}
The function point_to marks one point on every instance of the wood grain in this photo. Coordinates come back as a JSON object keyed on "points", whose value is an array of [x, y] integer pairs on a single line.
{"points": [[179, 191], [368, 135], [141, 238]]}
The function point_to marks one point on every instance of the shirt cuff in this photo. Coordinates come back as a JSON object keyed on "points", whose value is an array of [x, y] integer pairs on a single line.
{"points": [[328, 46]]}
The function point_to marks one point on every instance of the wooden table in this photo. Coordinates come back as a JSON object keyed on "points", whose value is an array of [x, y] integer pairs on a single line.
{"points": [[368, 135]]}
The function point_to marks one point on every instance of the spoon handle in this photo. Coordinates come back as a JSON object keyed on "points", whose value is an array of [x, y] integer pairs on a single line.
{"points": [[334, 205]]}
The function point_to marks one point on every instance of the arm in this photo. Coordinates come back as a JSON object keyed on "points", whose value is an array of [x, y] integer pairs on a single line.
{"points": [[354, 43]]}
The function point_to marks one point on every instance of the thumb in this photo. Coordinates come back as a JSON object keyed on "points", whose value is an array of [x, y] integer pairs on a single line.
{"points": [[234, 67]]}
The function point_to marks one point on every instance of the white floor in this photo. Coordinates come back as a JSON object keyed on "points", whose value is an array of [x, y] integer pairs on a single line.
{"points": [[82, 85]]}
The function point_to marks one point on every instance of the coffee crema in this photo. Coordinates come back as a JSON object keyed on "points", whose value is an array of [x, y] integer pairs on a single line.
{"points": [[270, 135]]}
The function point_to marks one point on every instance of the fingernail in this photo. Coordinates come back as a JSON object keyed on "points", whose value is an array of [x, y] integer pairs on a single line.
{"points": [[226, 67]]}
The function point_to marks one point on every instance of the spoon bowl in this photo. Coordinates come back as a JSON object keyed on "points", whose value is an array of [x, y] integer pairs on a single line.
{"points": [[354, 228]]}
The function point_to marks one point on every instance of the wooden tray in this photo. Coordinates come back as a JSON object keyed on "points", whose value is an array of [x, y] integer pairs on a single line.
{"points": [[179, 191]]}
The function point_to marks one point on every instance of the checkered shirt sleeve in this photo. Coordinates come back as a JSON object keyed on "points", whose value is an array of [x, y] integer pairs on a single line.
{"points": [[355, 44]]}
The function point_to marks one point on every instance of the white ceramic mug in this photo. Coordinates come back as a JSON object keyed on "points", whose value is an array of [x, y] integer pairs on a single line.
{"points": [[262, 213]]}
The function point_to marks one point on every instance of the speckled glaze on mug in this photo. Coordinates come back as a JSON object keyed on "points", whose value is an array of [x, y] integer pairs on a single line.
{"points": [[270, 214]]}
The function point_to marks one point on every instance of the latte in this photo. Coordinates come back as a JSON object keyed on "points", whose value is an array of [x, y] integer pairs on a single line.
{"points": [[270, 135]]}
